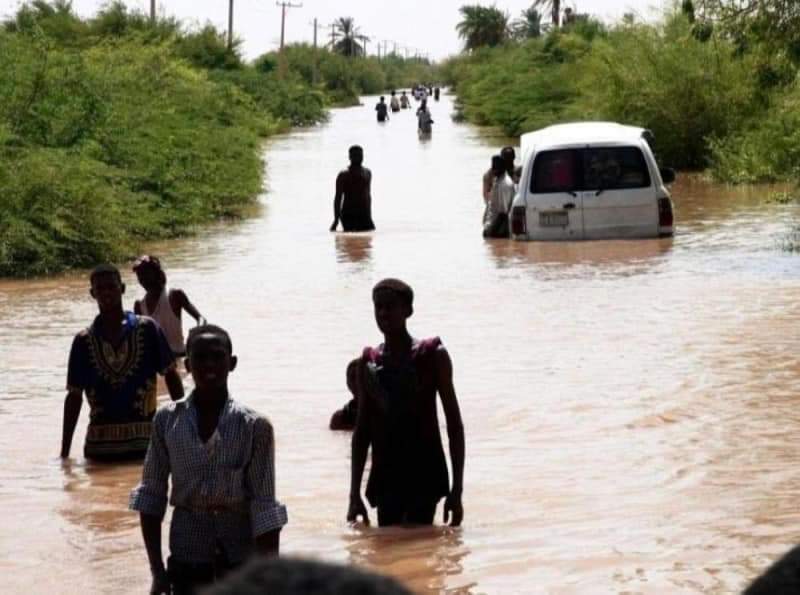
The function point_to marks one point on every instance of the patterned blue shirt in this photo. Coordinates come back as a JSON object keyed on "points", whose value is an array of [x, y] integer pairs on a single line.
{"points": [[223, 490]]}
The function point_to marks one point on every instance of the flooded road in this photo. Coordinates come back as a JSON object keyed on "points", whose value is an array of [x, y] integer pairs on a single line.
{"points": [[630, 407]]}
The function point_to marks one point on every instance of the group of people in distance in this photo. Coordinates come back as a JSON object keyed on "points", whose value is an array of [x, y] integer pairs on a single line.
{"points": [[499, 187], [424, 118], [218, 454]]}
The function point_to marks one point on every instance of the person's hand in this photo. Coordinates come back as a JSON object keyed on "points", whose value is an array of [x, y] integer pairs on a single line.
{"points": [[357, 509], [453, 506], [334, 226], [160, 585]]}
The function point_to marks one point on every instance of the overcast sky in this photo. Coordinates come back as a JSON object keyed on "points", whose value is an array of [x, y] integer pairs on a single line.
{"points": [[428, 25]]}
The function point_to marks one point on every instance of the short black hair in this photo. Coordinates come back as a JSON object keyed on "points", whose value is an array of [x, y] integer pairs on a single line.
{"points": [[508, 151], [105, 269], [208, 329], [355, 148], [401, 288], [498, 162], [782, 578], [286, 576]]}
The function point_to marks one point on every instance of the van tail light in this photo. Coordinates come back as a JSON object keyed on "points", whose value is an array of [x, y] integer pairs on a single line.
{"points": [[665, 218], [519, 225]]}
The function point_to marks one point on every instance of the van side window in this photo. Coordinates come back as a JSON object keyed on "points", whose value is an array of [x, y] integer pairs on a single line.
{"points": [[612, 168], [555, 171]]}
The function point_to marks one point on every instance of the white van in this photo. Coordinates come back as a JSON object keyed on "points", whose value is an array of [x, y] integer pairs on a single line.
{"points": [[590, 180]]}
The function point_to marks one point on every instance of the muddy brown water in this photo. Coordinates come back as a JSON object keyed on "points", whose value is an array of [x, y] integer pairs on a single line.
{"points": [[630, 407]]}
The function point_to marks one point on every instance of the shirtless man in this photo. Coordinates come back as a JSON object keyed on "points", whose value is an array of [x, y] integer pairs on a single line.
{"points": [[397, 387], [352, 204]]}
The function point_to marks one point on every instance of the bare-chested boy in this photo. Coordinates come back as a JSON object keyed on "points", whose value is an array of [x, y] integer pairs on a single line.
{"points": [[398, 384], [352, 204]]}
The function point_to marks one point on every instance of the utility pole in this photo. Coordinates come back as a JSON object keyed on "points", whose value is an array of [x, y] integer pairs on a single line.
{"points": [[284, 6], [230, 24], [333, 35], [315, 76], [153, 11]]}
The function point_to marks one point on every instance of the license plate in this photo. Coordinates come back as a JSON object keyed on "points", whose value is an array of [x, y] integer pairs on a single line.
{"points": [[554, 219]]}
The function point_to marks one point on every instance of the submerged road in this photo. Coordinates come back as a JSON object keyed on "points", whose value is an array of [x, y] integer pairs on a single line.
{"points": [[630, 407]]}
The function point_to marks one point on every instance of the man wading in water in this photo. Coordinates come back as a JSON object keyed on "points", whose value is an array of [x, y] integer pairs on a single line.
{"points": [[398, 383], [354, 187], [115, 362]]}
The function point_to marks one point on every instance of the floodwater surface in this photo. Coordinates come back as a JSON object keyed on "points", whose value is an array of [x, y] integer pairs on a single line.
{"points": [[630, 407]]}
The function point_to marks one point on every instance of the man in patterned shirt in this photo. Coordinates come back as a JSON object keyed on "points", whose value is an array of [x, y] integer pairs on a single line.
{"points": [[115, 362], [221, 458]]}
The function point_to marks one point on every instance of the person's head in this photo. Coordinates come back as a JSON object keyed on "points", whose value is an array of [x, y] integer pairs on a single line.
{"points": [[394, 304], [286, 576], [381, 98], [393, 93], [106, 287], [783, 577], [209, 357], [508, 154], [403, 93], [352, 375], [150, 273], [356, 155], [498, 165]]}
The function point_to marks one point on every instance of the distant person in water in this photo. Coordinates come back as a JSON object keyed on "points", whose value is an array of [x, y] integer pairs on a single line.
{"points": [[394, 104], [352, 204], [382, 109], [162, 304], [424, 119], [219, 457], [436, 92], [498, 201], [404, 102], [345, 418], [398, 382], [115, 362]]}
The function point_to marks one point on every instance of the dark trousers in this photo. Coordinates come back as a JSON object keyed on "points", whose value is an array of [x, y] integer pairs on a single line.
{"points": [[188, 578], [400, 513]]}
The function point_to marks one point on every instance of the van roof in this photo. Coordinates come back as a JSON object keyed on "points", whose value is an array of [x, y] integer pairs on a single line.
{"points": [[576, 133]]}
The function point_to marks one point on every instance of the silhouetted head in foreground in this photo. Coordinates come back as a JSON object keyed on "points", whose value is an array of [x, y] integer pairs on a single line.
{"points": [[282, 576], [782, 578], [356, 155], [394, 304]]}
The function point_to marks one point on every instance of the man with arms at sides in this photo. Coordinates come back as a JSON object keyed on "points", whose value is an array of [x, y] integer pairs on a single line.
{"points": [[115, 362], [398, 384], [221, 457], [352, 204]]}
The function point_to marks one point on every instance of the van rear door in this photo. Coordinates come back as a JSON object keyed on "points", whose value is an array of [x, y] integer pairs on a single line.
{"points": [[618, 194], [554, 209]]}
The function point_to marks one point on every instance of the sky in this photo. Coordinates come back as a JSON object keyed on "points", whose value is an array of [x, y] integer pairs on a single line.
{"points": [[423, 26]]}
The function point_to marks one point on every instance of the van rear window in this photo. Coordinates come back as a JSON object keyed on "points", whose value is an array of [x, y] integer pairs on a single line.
{"points": [[607, 168]]}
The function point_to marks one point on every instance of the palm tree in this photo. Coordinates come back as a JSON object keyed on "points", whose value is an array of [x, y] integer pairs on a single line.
{"points": [[347, 45], [555, 9], [529, 24], [482, 26]]}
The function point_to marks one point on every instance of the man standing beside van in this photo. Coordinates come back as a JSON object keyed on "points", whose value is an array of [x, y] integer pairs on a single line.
{"points": [[498, 201]]}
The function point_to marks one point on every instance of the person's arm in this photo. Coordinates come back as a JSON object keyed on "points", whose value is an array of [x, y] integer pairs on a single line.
{"points": [[267, 515], [174, 383], [150, 500], [488, 180], [369, 192], [72, 411], [137, 308], [455, 435], [359, 450], [185, 304], [337, 202]]}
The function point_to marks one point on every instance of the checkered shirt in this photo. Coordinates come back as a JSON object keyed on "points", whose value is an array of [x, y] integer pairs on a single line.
{"points": [[223, 490]]}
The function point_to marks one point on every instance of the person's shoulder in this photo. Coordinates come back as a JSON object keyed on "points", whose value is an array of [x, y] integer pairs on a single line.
{"points": [[170, 410], [249, 415]]}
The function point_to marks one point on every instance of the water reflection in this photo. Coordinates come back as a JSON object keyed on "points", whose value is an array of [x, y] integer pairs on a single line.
{"points": [[619, 254], [397, 551], [353, 247]]}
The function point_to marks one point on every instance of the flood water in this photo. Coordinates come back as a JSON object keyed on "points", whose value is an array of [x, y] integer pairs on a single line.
{"points": [[630, 407]]}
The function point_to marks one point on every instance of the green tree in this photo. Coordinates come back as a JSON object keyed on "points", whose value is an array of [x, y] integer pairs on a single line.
{"points": [[349, 34], [482, 26], [529, 25]]}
